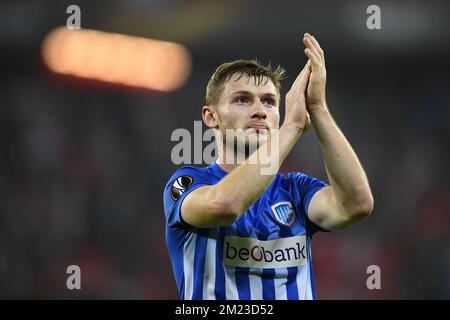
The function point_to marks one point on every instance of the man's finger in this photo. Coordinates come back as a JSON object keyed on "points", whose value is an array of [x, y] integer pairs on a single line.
{"points": [[314, 45], [304, 79], [309, 44], [299, 76], [307, 121], [317, 46], [312, 57]]}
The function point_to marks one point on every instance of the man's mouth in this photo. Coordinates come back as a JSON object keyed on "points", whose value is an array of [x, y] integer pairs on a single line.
{"points": [[258, 127]]}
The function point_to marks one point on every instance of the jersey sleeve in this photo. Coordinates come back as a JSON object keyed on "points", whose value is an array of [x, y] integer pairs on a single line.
{"points": [[307, 187], [183, 181]]}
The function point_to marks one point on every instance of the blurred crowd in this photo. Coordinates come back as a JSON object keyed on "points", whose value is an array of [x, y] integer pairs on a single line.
{"points": [[83, 166]]}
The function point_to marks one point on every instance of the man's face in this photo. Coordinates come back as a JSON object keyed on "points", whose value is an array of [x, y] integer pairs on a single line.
{"points": [[248, 106]]}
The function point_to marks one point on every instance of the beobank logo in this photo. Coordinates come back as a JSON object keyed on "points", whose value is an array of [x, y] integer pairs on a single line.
{"points": [[254, 253]]}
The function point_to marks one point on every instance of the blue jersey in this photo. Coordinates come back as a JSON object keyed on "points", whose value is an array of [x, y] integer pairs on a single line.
{"points": [[265, 254]]}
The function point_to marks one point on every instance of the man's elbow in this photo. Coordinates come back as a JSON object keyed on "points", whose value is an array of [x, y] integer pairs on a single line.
{"points": [[226, 212], [362, 207], [221, 210], [352, 212]]}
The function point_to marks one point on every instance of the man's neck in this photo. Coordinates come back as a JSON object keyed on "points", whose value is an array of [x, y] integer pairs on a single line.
{"points": [[225, 166], [229, 166]]}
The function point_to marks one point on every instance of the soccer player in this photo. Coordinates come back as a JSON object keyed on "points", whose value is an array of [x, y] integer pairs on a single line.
{"points": [[235, 233]]}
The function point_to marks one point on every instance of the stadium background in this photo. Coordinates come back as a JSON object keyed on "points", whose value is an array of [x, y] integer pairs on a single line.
{"points": [[83, 164]]}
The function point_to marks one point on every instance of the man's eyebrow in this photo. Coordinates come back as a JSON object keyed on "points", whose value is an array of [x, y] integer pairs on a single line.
{"points": [[243, 92], [248, 93]]}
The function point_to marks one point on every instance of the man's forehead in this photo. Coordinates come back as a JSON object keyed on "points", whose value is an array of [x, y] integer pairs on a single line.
{"points": [[243, 82]]}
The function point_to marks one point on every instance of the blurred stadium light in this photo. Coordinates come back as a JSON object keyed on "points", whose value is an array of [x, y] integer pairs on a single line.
{"points": [[117, 58]]}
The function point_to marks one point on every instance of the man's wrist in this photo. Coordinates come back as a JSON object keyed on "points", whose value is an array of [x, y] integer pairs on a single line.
{"points": [[318, 110], [291, 128]]}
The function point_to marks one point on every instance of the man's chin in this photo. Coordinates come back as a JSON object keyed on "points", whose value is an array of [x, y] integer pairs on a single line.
{"points": [[257, 138]]}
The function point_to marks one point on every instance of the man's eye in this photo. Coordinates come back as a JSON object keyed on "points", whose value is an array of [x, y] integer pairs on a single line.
{"points": [[241, 100], [270, 102]]}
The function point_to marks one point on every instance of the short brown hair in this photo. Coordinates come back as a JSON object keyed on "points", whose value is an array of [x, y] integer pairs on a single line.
{"points": [[250, 68]]}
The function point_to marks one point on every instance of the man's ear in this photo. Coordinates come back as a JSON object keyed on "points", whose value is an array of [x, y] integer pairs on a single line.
{"points": [[209, 116]]}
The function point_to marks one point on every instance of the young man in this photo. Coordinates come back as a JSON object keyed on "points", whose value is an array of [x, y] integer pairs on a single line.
{"points": [[235, 233]]}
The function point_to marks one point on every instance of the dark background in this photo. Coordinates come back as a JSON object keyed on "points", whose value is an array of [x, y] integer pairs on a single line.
{"points": [[83, 164]]}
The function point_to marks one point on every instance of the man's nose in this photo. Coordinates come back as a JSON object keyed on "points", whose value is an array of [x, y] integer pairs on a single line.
{"points": [[259, 110]]}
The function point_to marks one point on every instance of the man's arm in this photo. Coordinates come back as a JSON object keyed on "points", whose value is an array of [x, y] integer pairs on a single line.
{"points": [[224, 202], [348, 199]]}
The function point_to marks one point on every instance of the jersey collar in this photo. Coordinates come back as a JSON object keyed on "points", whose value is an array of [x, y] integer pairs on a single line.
{"points": [[217, 170]]}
